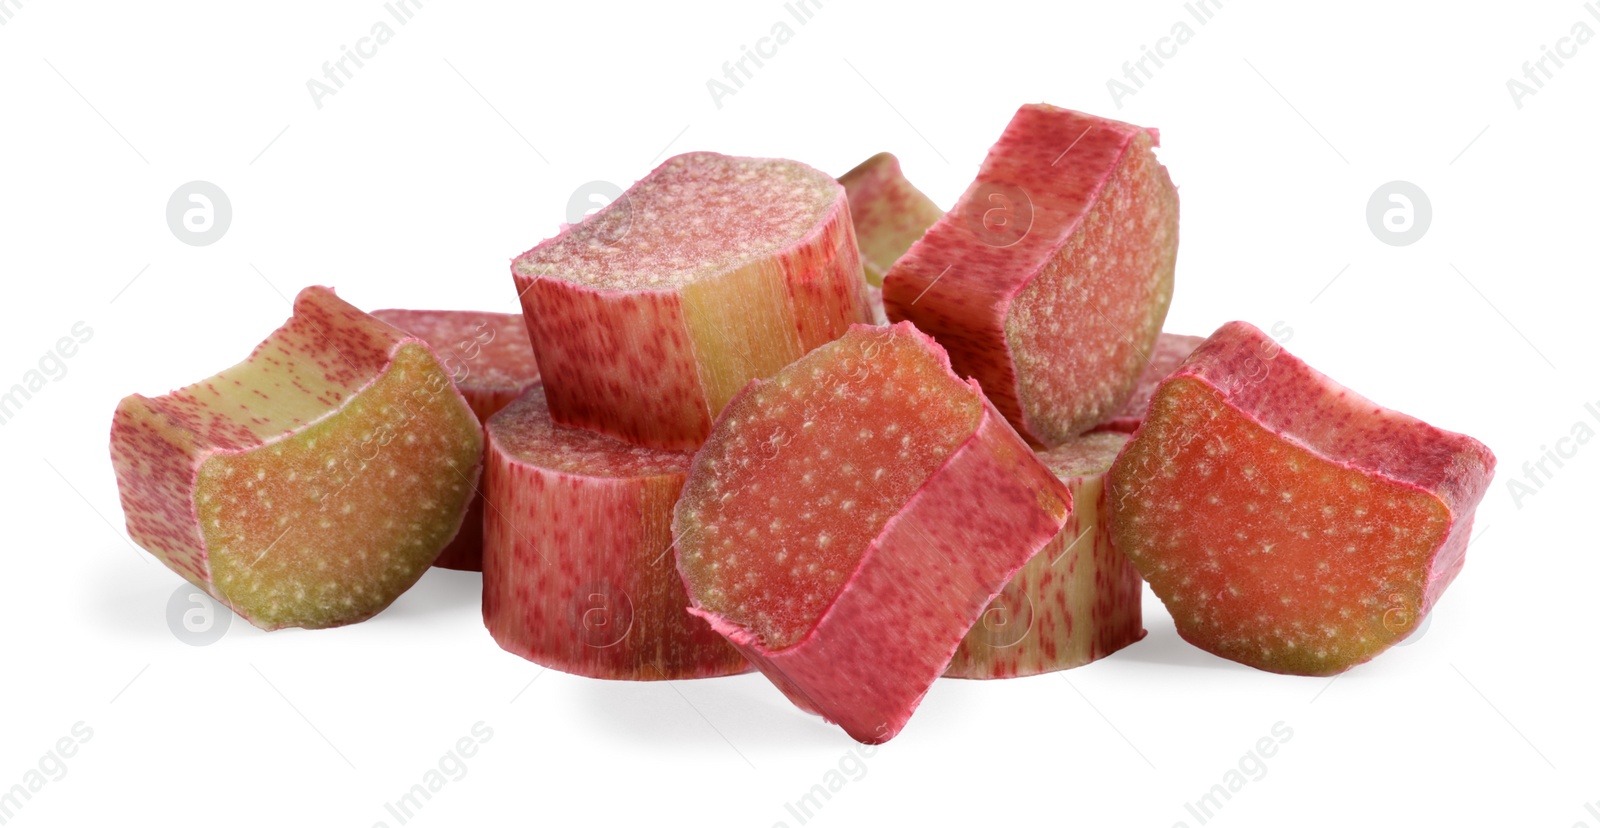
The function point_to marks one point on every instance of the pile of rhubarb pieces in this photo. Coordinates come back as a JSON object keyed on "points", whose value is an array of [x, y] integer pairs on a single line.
{"points": [[755, 417]]}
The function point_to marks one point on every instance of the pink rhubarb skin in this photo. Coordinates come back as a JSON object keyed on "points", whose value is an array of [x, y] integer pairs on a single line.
{"points": [[850, 518], [491, 362], [1170, 352], [875, 302], [1287, 522], [1078, 600], [577, 569], [888, 211], [651, 313], [311, 484], [1049, 280]]}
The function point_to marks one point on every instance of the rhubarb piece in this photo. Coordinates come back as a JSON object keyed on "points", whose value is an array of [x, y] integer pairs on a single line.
{"points": [[849, 519], [1170, 352], [888, 211], [651, 313], [577, 565], [1287, 522], [875, 303], [1077, 600], [1050, 279], [311, 484], [490, 360]]}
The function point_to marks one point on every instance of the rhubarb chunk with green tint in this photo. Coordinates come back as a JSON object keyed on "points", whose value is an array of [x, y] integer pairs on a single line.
{"points": [[849, 519], [1050, 279], [1078, 600], [651, 313], [311, 484], [888, 211], [578, 573], [1287, 522], [489, 358], [1170, 352]]}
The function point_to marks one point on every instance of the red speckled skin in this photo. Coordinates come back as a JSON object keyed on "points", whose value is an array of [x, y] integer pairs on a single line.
{"points": [[159, 444], [919, 587], [1299, 410], [627, 363], [491, 361], [1077, 601], [961, 288], [1170, 352], [577, 566], [889, 213]]}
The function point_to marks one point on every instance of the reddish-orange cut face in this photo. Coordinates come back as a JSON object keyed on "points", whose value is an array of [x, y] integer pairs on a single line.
{"points": [[808, 468], [1265, 551]]}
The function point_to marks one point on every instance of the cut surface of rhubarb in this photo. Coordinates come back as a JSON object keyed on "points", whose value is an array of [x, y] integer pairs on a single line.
{"points": [[311, 484], [888, 211], [651, 313], [1049, 280], [578, 573], [1170, 352], [850, 517], [1078, 600], [489, 358], [1287, 522]]}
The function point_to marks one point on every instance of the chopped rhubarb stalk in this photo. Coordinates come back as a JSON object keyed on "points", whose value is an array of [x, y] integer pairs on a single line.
{"points": [[850, 518], [875, 302], [311, 484], [1050, 279], [1077, 600], [1170, 352], [578, 572], [651, 313], [888, 211], [1287, 522], [492, 363]]}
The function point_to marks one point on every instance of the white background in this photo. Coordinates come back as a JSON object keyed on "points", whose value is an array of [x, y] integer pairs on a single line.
{"points": [[458, 146]]}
